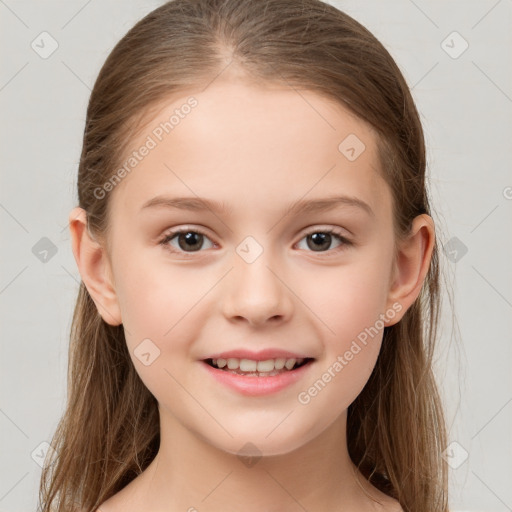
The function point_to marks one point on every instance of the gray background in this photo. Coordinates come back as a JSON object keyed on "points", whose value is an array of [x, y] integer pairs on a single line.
{"points": [[465, 100]]}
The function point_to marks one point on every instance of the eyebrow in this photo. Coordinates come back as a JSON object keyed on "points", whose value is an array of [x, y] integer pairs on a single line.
{"points": [[302, 206]]}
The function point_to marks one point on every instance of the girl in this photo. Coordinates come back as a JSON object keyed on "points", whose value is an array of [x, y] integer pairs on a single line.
{"points": [[257, 316]]}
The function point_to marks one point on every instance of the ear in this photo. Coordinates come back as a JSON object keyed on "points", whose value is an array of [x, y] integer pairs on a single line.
{"points": [[94, 267], [411, 266]]}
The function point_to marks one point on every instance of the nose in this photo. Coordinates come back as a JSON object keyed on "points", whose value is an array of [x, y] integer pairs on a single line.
{"points": [[257, 292]]}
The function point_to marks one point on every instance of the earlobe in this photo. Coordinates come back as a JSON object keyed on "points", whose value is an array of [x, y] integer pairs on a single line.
{"points": [[411, 266], [94, 267]]}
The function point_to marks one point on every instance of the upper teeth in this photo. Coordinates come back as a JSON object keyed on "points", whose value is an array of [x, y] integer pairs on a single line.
{"points": [[249, 365]]}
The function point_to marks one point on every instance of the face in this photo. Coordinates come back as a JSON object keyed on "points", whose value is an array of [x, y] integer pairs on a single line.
{"points": [[250, 272]]}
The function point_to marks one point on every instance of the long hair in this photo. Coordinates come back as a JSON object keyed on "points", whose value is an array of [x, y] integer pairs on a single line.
{"points": [[109, 432]]}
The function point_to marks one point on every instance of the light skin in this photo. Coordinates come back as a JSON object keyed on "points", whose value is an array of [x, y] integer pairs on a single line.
{"points": [[257, 149]]}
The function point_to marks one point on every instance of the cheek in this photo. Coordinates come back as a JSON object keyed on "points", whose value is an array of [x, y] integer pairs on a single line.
{"points": [[352, 326], [162, 305], [340, 379], [347, 299], [349, 303], [153, 296]]}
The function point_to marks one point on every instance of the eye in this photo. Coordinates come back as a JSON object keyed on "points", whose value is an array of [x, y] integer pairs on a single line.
{"points": [[192, 240], [319, 240], [189, 240]]}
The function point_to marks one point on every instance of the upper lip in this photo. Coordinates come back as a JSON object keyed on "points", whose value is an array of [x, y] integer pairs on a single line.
{"points": [[262, 355]]}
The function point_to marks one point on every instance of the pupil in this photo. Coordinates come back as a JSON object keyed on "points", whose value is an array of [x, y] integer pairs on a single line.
{"points": [[189, 239], [320, 240]]}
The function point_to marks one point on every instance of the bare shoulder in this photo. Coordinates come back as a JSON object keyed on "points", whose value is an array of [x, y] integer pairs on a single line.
{"points": [[125, 500], [388, 504], [131, 498], [394, 506], [383, 502], [378, 501], [114, 504]]}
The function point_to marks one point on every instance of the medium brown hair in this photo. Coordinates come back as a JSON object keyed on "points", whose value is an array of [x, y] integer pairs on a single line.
{"points": [[109, 432]]}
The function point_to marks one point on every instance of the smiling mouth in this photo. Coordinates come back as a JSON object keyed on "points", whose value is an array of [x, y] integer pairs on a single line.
{"points": [[250, 368]]}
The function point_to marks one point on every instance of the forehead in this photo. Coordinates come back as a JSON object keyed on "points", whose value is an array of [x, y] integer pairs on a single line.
{"points": [[252, 145]]}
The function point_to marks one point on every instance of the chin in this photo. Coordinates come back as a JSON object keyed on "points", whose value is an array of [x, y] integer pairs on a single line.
{"points": [[256, 444]]}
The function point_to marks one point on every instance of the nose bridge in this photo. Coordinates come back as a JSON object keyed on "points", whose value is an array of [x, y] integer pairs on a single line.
{"points": [[256, 290]]}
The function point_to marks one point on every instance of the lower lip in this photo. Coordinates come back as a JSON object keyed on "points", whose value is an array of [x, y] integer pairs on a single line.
{"points": [[256, 386]]}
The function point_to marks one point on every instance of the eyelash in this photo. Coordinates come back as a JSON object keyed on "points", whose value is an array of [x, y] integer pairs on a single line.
{"points": [[169, 236]]}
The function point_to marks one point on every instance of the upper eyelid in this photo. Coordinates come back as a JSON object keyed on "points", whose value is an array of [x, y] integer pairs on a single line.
{"points": [[312, 229]]}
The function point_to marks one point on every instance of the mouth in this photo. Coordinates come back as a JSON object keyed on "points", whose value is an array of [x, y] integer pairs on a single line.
{"points": [[252, 368]]}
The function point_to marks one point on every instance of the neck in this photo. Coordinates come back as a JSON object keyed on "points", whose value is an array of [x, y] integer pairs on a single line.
{"points": [[190, 474]]}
